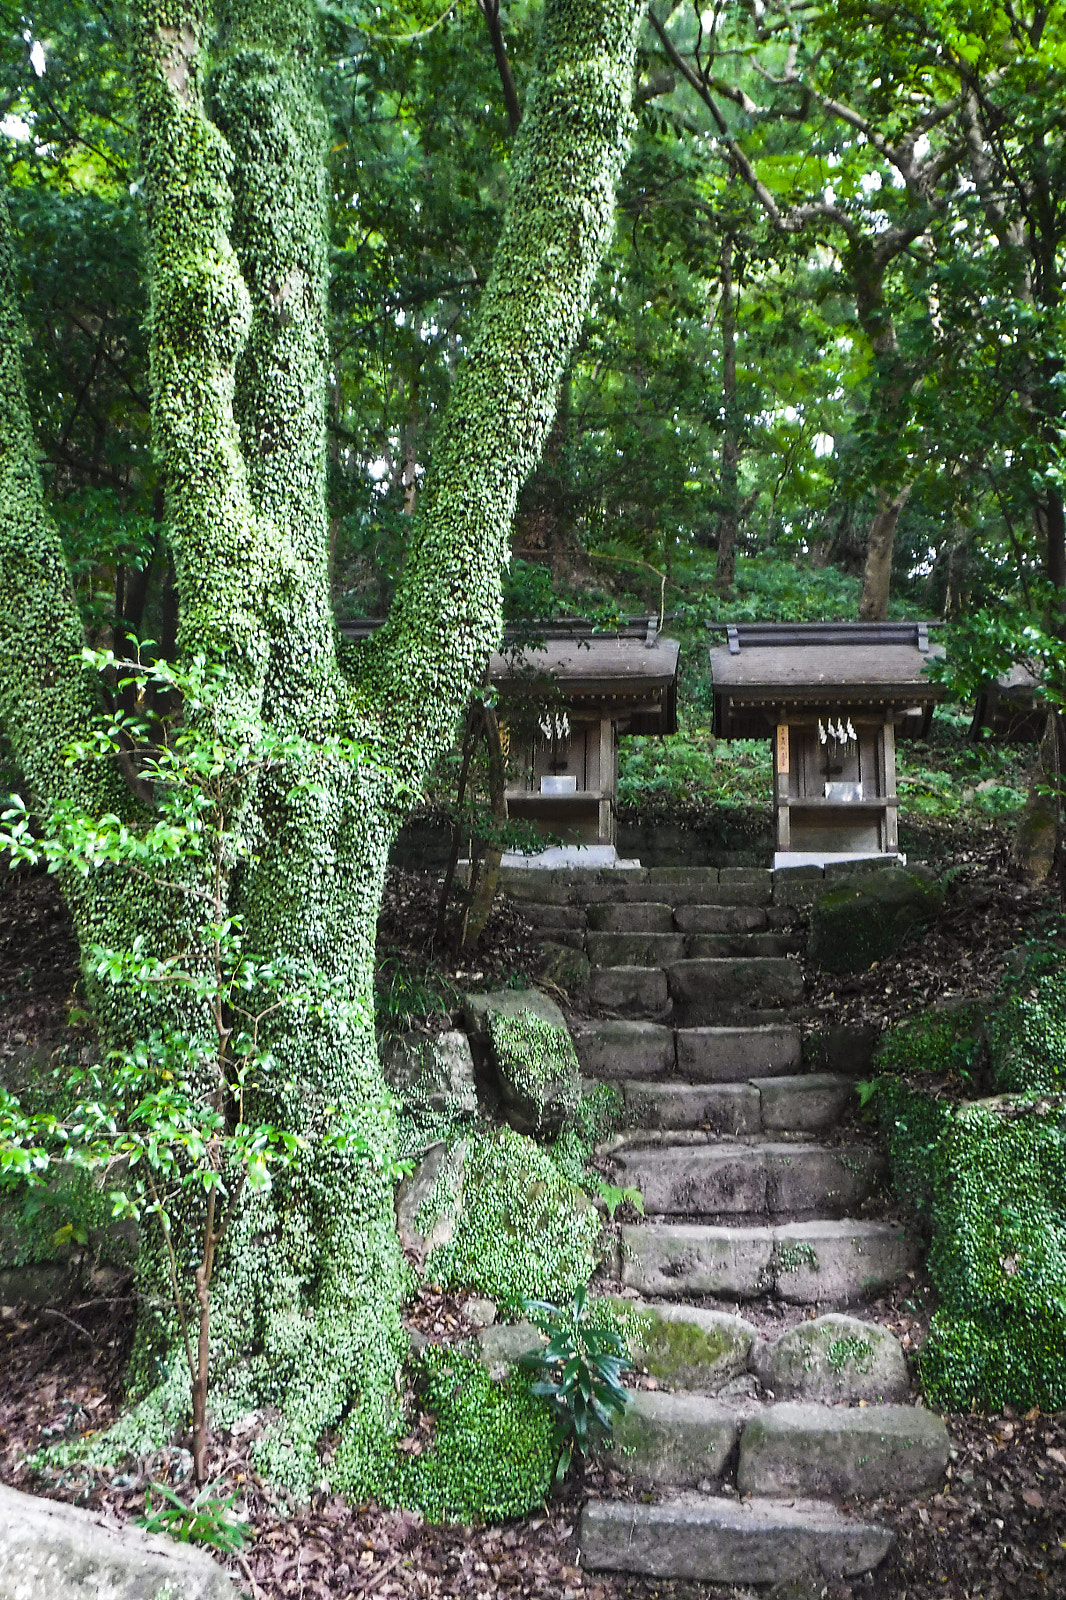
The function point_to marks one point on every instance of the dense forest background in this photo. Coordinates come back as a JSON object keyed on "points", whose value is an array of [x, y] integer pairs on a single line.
{"points": [[823, 372]]}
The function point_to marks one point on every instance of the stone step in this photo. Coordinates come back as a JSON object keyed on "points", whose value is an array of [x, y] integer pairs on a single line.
{"points": [[717, 990], [720, 919], [712, 946], [630, 991], [799, 1103], [749, 1179], [836, 1451], [634, 949], [686, 1441], [728, 1542], [640, 916], [719, 1107], [614, 1048], [733, 1055], [805, 1102], [805, 1263], [674, 1441]]}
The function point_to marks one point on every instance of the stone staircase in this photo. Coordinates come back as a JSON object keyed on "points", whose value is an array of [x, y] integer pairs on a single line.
{"points": [[753, 1192]]}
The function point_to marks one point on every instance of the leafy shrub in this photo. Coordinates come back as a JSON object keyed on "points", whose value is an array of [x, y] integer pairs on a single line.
{"points": [[582, 1364]]}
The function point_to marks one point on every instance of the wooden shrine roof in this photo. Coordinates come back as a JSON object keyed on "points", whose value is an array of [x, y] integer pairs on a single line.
{"points": [[631, 671], [791, 667]]}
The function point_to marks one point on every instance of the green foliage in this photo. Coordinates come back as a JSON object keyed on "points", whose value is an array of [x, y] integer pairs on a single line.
{"points": [[489, 1454], [404, 997], [1027, 1036], [582, 1362], [205, 1520], [522, 1227], [613, 1196], [946, 1043], [991, 1179]]}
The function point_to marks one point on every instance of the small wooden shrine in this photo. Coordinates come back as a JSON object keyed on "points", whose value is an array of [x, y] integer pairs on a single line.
{"points": [[562, 708], [832, 697]]}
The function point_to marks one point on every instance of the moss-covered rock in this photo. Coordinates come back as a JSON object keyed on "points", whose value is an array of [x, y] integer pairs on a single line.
{"points": [[867, 916], [687, 1348], [947, 1040], [515, 1225], [991, 1178], [431, 1074], [835, 1358], [1028, 1037], [524, 1038]]}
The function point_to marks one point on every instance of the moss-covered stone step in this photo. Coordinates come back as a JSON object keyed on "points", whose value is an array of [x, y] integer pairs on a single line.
{"points": [[749, 1179], [634, 949], [693, 1348], [633, 991], [836, 1359], [794, 1104], [733, 1055], [725, 1541], [675, 1441], [837, 1451], [614, 1048], [718, 990], [836, 1263]]}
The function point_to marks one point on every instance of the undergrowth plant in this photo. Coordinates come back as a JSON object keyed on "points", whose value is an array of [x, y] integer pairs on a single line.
{"points": [[581, 1366], [206, 1520]]}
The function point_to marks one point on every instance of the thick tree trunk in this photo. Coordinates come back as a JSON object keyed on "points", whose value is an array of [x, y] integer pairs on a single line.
{"points": [[880, 543], [304, 1314], [891, 391], [725, 565]]}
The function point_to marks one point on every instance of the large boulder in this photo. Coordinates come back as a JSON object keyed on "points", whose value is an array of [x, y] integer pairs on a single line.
{"points": [[868, 915], [431, 1074], [524, 1039], [50, 1551]]}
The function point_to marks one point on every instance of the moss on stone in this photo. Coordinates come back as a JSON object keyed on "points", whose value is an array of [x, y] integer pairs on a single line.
{"points": [[990, 1177], [522, 1229], [671, 1349]]}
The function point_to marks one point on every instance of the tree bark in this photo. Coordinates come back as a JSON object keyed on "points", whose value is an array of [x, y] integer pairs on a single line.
{"points": [[725, 565], [304, 1311]]}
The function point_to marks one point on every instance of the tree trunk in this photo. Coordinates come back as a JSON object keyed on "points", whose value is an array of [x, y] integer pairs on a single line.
{"points": [[880, 542], [725, 565], [892, 390], [305, 1298]]}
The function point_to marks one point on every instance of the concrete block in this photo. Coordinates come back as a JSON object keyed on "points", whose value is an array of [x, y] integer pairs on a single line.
{"points": [[672, 1259], [695, 1180], [617, 1049], [674, 1441], [634, 990], [642, 916], [634, 949], [720, 919], [805, 1103], [845, 1262], [728, 1108], [812, 1178]]}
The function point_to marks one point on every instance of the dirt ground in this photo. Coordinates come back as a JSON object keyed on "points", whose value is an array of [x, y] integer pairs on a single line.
{"points": [[997, 1530]]}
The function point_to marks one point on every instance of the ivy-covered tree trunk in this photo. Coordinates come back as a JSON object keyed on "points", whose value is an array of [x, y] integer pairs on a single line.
{"points": [[306, 1319]]}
